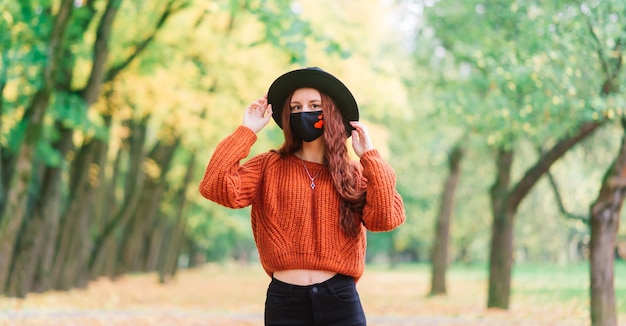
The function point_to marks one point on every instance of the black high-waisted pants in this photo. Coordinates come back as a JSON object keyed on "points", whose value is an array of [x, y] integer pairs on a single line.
{"points": [[333, 302]]}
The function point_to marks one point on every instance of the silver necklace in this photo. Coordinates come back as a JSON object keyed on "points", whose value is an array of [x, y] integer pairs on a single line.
{"points": [[308, 174]]}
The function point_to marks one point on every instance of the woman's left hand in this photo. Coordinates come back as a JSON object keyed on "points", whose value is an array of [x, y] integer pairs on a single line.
{"points": [[361, 141]]}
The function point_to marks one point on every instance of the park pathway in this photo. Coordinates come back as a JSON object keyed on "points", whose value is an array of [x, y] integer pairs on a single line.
{"points": [[234, 295], [182, 317]]}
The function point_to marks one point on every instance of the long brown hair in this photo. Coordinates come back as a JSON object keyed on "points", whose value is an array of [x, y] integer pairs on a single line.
{"points": [[341, 168]]}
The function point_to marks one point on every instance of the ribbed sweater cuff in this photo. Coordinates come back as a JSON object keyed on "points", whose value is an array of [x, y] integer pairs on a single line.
{"points": [[371, 159], [245, 133], [376, 169], [236, 146], [372, 153]]}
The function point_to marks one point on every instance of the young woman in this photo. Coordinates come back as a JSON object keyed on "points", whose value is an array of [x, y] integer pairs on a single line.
{"points": [[311, 204]]}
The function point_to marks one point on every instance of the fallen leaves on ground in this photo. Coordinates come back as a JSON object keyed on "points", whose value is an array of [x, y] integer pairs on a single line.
{"points": [[234, 295]]}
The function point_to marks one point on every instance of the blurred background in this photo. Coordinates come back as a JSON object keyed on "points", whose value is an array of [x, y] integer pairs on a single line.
{"points": [[502, 119]]}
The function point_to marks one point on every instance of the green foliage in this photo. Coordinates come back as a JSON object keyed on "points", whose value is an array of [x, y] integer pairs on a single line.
{"points": [[222, 234], [70, 109], [503, 73], [522, 72], [515, 74], [23, 59], [48, 154], [22, 53], [285, 29], [13, 139], [23, 47]]}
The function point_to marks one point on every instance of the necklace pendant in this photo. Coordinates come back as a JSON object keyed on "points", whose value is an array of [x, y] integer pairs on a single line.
{"points": [[308, 174]]}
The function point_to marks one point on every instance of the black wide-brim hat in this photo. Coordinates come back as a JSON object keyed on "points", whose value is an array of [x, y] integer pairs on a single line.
{"points": [[319, 79]]}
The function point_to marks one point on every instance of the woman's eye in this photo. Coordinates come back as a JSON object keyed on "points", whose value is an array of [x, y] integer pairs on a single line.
{"points": [[295, 108], [316, 106]]}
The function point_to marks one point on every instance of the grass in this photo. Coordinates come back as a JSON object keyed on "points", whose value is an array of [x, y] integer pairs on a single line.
{"points": [[532, 283], [531, 280], [564, 282]]}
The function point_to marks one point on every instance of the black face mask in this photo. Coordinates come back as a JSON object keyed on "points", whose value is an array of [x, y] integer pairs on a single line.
{"points": [[307, 126]]}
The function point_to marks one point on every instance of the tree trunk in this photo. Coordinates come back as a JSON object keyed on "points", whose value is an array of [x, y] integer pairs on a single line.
{"points": [[130, 248], [134, 248], [148, 223], [37, 231], [100, 53], [605, 219], [504, 204], [35, 242], [71, 267], [132, 194], [83, 275], [170, 262], [42, 229], [169, 250], [17, 195], [193, 253], [26, 247], [75, 230], [440, 249], [156, 243], [605, 211], [7, 159], [101, 264], [2, 190], [501, 254]]}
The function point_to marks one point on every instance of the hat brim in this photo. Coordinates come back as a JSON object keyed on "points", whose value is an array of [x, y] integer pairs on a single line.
{"points": [[316, 78]]}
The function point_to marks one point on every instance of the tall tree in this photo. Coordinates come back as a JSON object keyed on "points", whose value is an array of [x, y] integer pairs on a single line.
{"points": [[17, 192], [605, 220], [605, 210], [44, 224], [525, 99], [439, 258]]}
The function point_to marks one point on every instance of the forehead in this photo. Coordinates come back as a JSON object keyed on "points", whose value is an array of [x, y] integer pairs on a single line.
{"points": [[306, 94]]}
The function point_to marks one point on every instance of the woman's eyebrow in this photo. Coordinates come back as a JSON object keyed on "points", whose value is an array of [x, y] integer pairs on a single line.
{"points": [[306, 101]]}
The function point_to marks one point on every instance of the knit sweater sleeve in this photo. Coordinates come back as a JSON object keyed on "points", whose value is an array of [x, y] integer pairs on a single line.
{"points": [[384, 208], [226, 181]]}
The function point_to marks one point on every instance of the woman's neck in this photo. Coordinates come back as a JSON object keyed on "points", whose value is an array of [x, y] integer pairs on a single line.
{"points": [[313, 151]]}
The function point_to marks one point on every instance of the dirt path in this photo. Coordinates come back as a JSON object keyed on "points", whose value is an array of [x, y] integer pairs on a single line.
{"points": [[234, 295], [182, 317]]}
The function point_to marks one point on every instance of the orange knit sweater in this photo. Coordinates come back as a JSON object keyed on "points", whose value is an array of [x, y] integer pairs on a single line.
{"points": [[294, 226]]}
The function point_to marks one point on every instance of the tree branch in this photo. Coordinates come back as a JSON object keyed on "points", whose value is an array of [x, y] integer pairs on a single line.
{"points": [[610, 72], [594, 36], [543, 165], [533, 174], [559, 201], [170, 9], [100, 53]]}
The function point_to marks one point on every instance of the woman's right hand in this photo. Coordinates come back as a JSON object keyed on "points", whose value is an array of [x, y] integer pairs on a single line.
{"points": [[257, 114]]}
